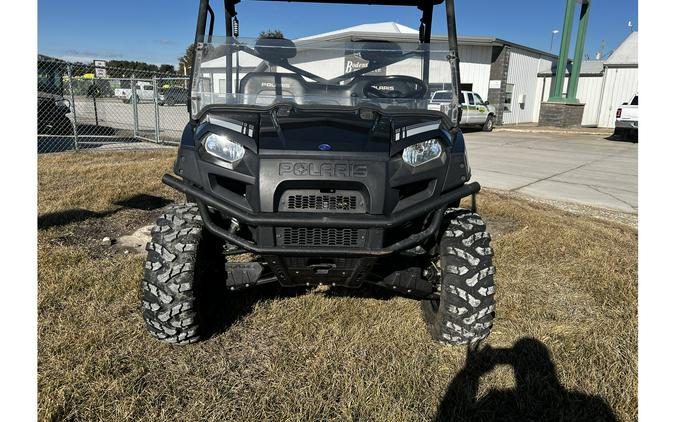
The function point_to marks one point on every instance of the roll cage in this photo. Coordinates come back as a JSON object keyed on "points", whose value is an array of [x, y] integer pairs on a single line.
{"points": [[207, 15]]}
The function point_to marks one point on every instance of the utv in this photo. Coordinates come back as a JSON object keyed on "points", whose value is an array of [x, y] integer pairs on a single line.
{"points": [[53, 108], [321, 158]]}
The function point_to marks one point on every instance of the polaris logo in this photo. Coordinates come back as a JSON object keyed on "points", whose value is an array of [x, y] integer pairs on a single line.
{"points": [[384, 88], [323, 169], [273, 85]]}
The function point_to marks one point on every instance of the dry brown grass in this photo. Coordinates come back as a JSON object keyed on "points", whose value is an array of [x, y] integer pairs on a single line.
{"points": [[568, 281]]}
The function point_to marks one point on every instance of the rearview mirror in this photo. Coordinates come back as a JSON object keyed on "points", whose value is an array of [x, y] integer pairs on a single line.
{"points": [[486, 103], [624, 104]]}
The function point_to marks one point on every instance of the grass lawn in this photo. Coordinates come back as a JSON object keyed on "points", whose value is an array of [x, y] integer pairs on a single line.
{"points": [[563, 347]]}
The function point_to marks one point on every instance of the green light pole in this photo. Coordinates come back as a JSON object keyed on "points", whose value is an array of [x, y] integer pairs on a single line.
{"points": [[571, 97]]}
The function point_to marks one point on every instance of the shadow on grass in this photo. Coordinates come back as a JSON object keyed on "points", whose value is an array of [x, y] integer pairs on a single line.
{"points": [[366, 291], [538, 395], [61, 218], [221, 308]]}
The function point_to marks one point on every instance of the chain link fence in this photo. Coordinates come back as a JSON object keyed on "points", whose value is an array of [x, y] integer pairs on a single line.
{"points": [[118, 109]]}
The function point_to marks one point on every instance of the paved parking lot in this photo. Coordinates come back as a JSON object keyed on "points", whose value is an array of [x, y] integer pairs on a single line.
{"points": [[113, 113], [586, 169]]}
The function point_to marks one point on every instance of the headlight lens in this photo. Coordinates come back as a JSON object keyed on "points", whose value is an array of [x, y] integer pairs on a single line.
{"points": [[221, 147], [423, 152]]}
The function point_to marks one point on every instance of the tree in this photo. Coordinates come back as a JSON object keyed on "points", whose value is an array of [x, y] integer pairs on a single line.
{"points": [[271, 33], [167, 68], [185, 62]]}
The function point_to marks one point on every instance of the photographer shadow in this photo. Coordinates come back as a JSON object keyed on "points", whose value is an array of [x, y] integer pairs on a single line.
{"points": [[537, 396]]}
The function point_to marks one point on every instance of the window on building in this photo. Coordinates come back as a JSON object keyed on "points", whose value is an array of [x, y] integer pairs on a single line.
{"points": [[466, 87], [222, 86], [508, 99]]}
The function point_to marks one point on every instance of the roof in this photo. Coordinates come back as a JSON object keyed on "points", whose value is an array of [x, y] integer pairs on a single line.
{"points": [[588, 68], [389, 31], [392, 31], [367, 28], [626, 54]]}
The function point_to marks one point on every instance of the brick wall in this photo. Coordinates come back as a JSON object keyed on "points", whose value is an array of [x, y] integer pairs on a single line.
{"points": [[499, 71], [561, 115]]}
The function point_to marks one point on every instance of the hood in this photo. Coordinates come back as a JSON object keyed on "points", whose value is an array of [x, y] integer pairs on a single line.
{"points": [[314, 131]]}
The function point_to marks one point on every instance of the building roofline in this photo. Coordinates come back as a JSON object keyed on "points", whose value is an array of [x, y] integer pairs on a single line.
{"points": [[486, 41]]}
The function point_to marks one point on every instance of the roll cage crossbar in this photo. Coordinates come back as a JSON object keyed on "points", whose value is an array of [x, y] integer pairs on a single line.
{"points": [[426, 6]]}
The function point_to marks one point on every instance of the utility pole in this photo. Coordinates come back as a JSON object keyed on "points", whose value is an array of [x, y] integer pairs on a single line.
{"points": [[553, 33]]}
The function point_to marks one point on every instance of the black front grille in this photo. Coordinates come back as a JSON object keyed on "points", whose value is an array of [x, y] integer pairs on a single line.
{"points": [[338, 201], [322, 202], [321, 237]]}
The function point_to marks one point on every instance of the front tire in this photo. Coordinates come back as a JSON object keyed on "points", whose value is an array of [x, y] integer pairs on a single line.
{"points": [[465, 307], [174, 275], [489, 124]]}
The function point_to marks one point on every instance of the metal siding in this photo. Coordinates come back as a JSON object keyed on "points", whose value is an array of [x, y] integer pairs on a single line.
{"points": [[589, 92], [523, 69], [474, 67], [620, 85]]}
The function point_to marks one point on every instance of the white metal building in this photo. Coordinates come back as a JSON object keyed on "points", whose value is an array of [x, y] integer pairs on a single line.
{"points": [[603, 86], [501, 72]]}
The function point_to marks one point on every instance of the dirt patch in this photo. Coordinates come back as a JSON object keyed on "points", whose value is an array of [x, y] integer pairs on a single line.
{"points": [[500, 226], [122, 227]]}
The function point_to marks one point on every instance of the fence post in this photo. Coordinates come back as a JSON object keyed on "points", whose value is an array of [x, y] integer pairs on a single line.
{"points": [[93, 92], [155, 94], [72, 104], [134, 105]]}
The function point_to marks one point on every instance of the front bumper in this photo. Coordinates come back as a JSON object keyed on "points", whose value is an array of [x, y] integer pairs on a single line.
{"points": [[434, 208]]}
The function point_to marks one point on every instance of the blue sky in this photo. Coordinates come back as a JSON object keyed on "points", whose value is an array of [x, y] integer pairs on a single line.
{"points": [[157, 31]]}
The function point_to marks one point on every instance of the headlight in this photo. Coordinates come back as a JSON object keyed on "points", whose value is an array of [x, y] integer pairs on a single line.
{"points": [[63, 103], [221, 147], [423, 152]]}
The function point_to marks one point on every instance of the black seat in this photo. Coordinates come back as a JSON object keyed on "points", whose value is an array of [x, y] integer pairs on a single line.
{"points": [[263, 88]]}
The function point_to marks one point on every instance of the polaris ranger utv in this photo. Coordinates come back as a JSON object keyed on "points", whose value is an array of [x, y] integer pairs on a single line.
{"points": [[327, 173]]}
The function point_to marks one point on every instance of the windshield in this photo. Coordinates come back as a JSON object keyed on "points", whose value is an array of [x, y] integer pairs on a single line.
{"points": [[50, 80], [265, 72]]}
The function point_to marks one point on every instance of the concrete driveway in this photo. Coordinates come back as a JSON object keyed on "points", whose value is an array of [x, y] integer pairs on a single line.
{"points": [[586, 169]]}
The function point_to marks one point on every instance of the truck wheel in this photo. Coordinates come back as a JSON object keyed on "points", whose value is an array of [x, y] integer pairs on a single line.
{"points": [[174, 274], [465, 307], [63, 126], [489, 124]]}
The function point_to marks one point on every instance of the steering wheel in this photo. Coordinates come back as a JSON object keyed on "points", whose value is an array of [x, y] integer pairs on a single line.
{"points": [[396, 86]]}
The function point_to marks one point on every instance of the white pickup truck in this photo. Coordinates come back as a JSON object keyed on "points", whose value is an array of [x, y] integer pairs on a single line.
{"points": [[475, 111], [627, 119], [144, 91]]}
